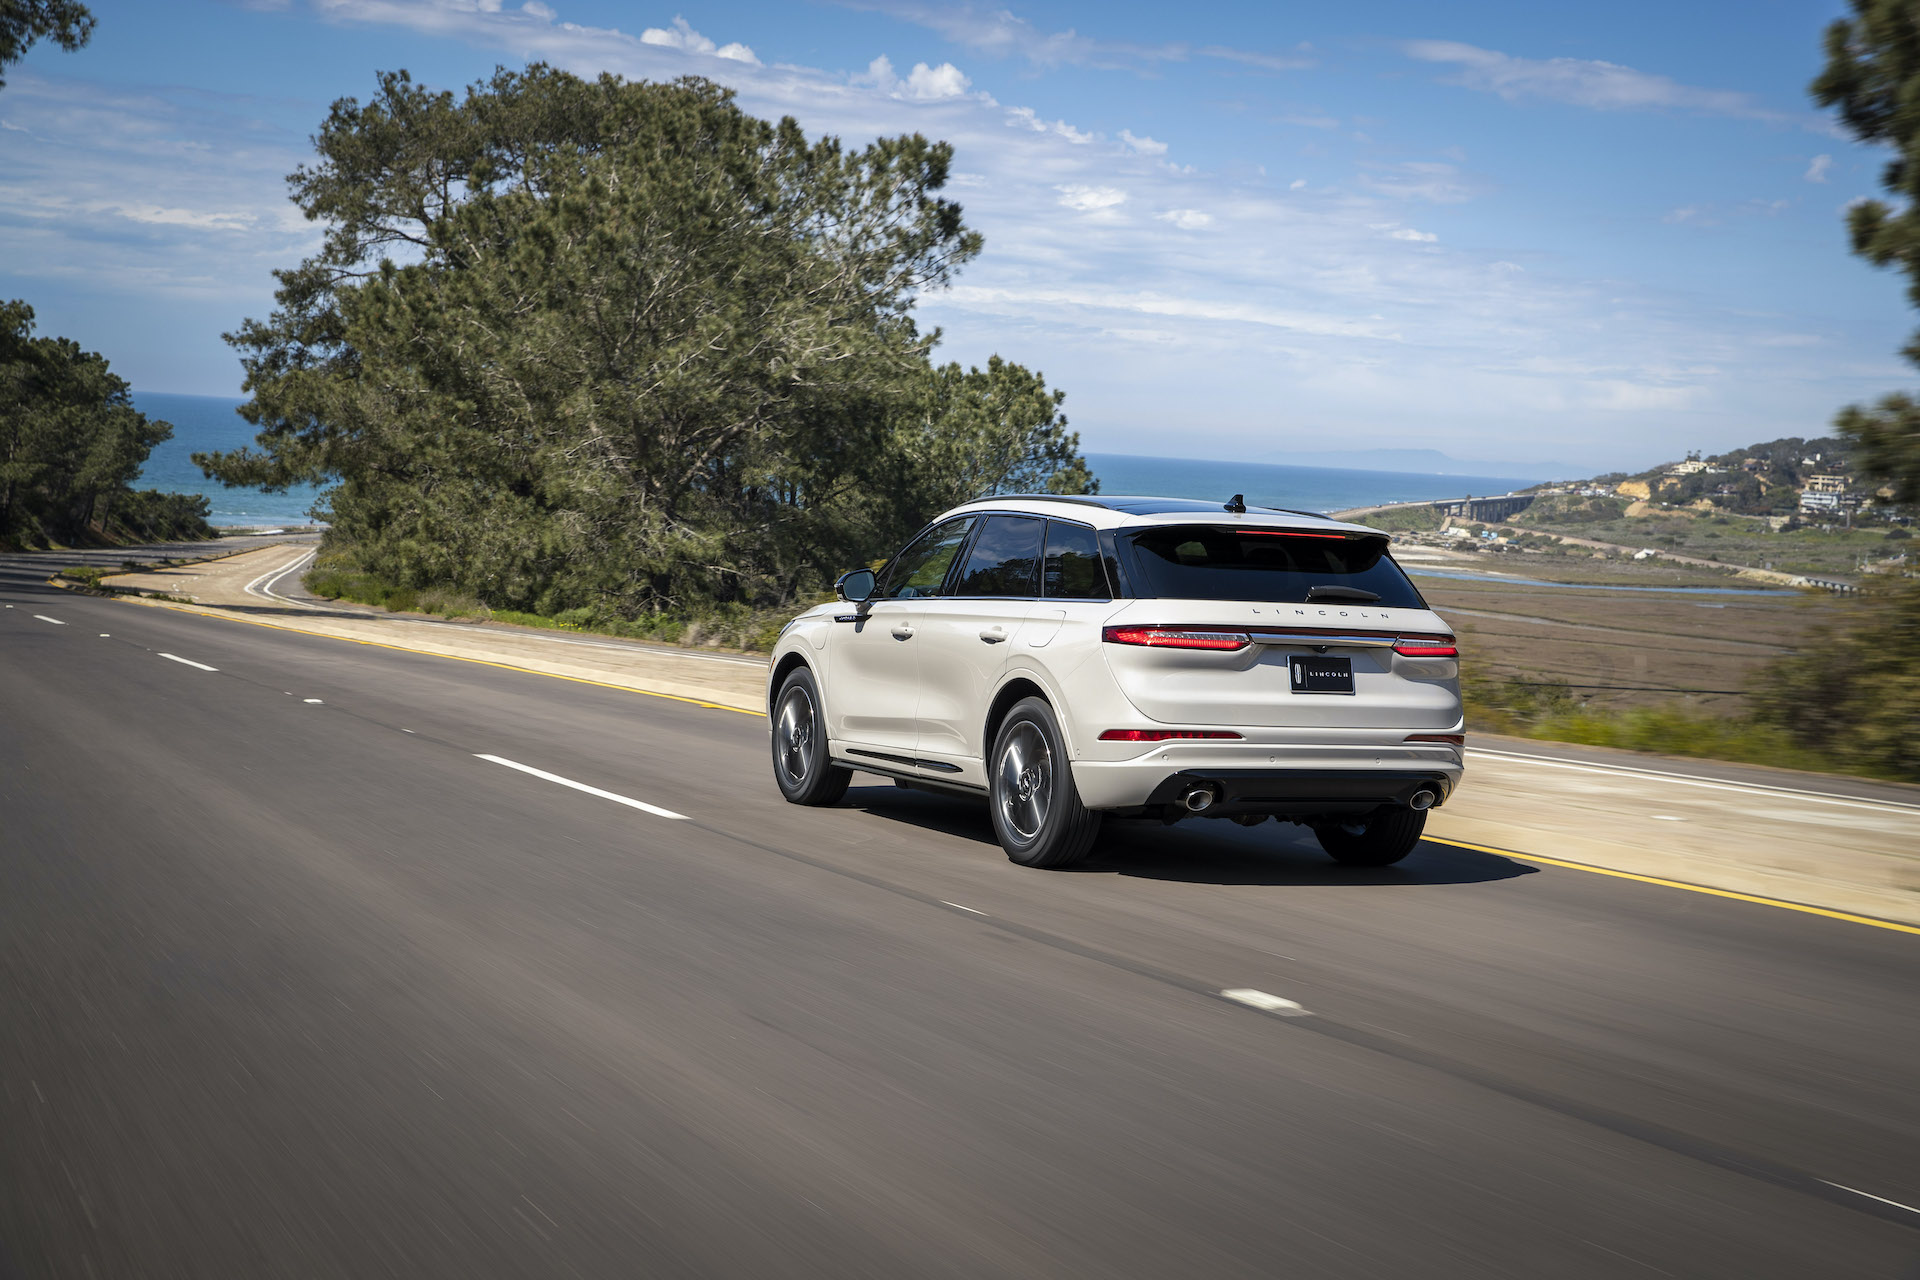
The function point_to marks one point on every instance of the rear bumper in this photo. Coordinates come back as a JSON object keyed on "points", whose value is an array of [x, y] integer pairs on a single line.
{"points": [[1305, 780]]}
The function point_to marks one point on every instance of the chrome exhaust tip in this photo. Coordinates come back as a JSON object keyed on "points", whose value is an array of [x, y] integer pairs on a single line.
{"points": [[1423, 799], [1198, 798]]}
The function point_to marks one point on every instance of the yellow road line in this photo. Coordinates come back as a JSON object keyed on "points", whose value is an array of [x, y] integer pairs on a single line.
{"points": [[429, 653], [1681, 884]]}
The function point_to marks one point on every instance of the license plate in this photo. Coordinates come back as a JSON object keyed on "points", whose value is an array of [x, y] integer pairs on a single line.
{"points": [[1321, 675]]}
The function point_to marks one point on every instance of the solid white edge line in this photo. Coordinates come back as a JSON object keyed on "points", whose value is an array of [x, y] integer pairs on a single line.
{"points": [[44, 618], [188, 662], [1710, 784], [1265, 1002], [957, 907], [631, 803], [1869, 1195]]}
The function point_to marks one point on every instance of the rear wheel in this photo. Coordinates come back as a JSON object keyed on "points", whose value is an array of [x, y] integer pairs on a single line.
{"points": [[801, 766], [1377, 839], [1037, 812]]}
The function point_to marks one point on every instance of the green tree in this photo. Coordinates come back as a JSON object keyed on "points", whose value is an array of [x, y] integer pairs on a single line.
{"points": [[67, 23], [619, 346], [71, 444], [1872, 77]]}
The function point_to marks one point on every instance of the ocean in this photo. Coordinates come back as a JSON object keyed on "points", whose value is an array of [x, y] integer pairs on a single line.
{"points": [[202, 423], [1267, 484]]}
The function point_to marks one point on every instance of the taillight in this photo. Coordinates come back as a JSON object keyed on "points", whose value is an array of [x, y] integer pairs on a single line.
{"points": [[1162, 735], [1176, 638], [1451, 739], [1426, 647]]}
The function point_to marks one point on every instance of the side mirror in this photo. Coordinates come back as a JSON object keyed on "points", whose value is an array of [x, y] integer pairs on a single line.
{"points": [[856, 587]]}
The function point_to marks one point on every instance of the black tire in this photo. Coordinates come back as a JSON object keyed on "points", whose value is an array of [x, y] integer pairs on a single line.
{"points": [[1036, 809], [802, 769], [1377, 839]]}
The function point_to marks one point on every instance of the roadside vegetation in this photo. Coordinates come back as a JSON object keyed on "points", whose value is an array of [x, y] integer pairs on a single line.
{"points": [[1552, 712], [620, 352]]}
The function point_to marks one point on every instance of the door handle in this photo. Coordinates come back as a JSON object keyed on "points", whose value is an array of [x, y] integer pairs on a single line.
{"points": [[993, 635], [903, 632]]}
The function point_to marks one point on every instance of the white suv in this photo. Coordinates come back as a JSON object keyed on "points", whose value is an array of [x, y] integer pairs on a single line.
{"points": [[1068, 658]]}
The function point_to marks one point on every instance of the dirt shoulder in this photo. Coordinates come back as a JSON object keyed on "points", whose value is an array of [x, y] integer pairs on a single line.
{"points": [[1852, 848]]}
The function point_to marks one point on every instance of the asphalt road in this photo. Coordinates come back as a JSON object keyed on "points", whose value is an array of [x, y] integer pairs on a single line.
{"points": [[294, 980]]}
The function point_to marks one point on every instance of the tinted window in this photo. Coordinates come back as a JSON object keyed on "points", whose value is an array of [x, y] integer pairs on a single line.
{"points": [[1073, 570], [1205, 562], [1005, 559], [922, 567]]}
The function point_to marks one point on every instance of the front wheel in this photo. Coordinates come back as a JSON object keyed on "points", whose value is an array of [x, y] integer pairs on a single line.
{"points": [[1037, 812], [1377, 839], [806, 774]]}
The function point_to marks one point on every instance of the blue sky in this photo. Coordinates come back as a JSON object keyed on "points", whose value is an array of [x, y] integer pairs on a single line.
{"points": [[1508, 231]]}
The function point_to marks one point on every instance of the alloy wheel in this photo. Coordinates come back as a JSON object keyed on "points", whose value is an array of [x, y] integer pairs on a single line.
{"points": [[1026, 781]]}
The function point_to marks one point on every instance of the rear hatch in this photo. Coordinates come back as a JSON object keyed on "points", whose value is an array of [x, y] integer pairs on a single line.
{"points": [[1242, 624]]}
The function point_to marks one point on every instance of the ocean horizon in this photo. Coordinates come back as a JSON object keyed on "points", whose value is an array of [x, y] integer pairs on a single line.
{"points": [[206, 423]]}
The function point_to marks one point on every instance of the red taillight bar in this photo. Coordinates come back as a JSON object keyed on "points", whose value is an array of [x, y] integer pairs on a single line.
{"points": [[1451, 739], [1175, 638], [1418, 646], [1162, 735]]}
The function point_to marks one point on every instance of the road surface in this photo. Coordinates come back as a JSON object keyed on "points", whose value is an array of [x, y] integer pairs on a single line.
{"points": [[318, 959]]}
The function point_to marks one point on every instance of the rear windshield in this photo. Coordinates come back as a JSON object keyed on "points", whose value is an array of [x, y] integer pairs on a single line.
{"points": [[1208, 562]]}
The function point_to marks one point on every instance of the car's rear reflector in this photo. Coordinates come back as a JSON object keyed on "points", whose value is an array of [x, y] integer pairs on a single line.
{"points": [[1162, 735], [1426, 646], [1451, 739], [1175, 638]]}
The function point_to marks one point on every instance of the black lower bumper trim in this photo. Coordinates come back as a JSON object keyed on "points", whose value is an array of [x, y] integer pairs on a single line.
{"points": [[1302, 792]]}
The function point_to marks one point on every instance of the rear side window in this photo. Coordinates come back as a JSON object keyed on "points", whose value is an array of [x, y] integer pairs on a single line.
{"points": [[1073, 569], [1207, 562], [1005, 560]]}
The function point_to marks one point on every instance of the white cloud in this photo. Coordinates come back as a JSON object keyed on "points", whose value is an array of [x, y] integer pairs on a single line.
{"points": [[1022, 301], [1027, 117], [680, 36], [1145, 146], [1817, 171], [1418, 237], [1430, 180], [1085, 199], [1186, 219], [1298, 184], [1580, 82], [922, 84], [1310, 122], [1001, 33], [11, 127]]}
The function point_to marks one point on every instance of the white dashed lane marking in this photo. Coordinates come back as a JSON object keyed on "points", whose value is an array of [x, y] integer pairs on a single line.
{"points": [[188, 662], [44, 618], [629, 801], [1869, 1195], [957, 907], [312, 700], [1264, 1002]]}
